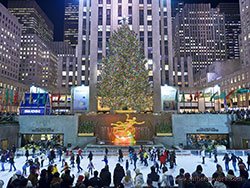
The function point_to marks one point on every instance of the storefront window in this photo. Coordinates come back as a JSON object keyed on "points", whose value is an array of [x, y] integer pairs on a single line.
{"points": [[197, 141]]}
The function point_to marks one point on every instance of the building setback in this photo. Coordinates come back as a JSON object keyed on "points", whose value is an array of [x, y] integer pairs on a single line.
{"points": [[245, 32], [67, 66], [32, 18], [71, 22], [199, 32], [231, 13], [143, 18]]}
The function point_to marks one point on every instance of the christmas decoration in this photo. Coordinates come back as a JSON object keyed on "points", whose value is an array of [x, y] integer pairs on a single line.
{"points": [[124, 77]]}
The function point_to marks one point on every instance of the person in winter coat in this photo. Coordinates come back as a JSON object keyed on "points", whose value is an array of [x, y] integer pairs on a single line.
{"points": [[67, 180], [96, 181], [203, 155], [56, 181], [118, 174], [167, 180], [226, 159], [43, 181], [232, 181], [120, 155], [218, 181], [27, 154], [90, 156], [203, 182], [197, 174], [79, 182], [78, 161], [12, 162], [154, 177], [15, 180], [127, 180], [188, 182], [86, 179], [3, 160], [138, 181], [33, 177], [234, 161], [105, 175], [179, 180], [243, 173]]}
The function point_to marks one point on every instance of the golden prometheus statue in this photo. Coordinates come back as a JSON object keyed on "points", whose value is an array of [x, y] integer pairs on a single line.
{"points": [[124, 132]]}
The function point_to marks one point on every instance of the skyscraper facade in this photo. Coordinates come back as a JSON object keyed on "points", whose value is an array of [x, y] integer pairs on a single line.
{"points": [[231, 13], [11, 91], [67, 66], [10, 43], [199, 33], [32, 18], [38, 62], [245, 31], [71, 22], [151, 21]]}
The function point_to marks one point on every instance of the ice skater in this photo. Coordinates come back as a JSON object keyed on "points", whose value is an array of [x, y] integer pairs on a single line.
{"points": [[127, 164], [105, 160], [215, 155], [12, 162], [3, 160], [90, 156], [203, 155], [226, 159], [78, 161], [234, 161], [120, 155], [90, 167], [72, 160], [27, 154]]}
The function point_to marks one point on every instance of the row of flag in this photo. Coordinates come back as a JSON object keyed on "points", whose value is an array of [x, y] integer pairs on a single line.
{"points": [[9, 96]]}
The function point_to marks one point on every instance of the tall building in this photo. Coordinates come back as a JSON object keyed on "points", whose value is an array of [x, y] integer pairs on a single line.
{"points": [[153, 25], [199, 33], [71, 22], [10, 43], [245, 31], [67, 66], [32, 18], [231, 13], [38, 62]]}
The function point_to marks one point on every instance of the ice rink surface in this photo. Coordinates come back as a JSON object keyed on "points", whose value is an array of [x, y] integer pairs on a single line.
{"points": [[188, 162]]}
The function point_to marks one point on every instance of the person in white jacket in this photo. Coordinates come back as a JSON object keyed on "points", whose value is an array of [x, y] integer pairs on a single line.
{"points": [[127, 180], [139, 181]]}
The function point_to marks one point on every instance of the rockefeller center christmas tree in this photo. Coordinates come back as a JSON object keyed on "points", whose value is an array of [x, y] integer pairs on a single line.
{"points": [[124, 77]]}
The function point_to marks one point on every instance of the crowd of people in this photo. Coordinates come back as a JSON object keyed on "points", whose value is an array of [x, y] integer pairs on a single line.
{"points": [[160, 162], [239, 114]]}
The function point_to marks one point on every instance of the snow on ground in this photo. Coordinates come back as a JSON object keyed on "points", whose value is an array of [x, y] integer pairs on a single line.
{"points": [[189, 163]]}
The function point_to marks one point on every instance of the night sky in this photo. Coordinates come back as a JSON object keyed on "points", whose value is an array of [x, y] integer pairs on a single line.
{"points": [[55, 11]]}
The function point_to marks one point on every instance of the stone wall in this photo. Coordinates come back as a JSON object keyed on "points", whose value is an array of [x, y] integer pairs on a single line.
{"points": [[239, 134], [8, 135], [198, 124]]}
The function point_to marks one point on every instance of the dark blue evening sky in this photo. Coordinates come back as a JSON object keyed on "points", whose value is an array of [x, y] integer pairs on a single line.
{"points": [[55, 11]]}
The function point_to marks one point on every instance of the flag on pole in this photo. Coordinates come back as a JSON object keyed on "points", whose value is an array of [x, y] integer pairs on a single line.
{"points": [[38, 98], [197, 95], [6, 96], [213, 96], [230, 94], [16, 97], [30, 99], [191, 97], [183, 97], [11, 96]]}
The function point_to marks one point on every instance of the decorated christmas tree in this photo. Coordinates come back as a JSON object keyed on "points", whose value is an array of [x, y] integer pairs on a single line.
{"points": [[124, 77]]}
